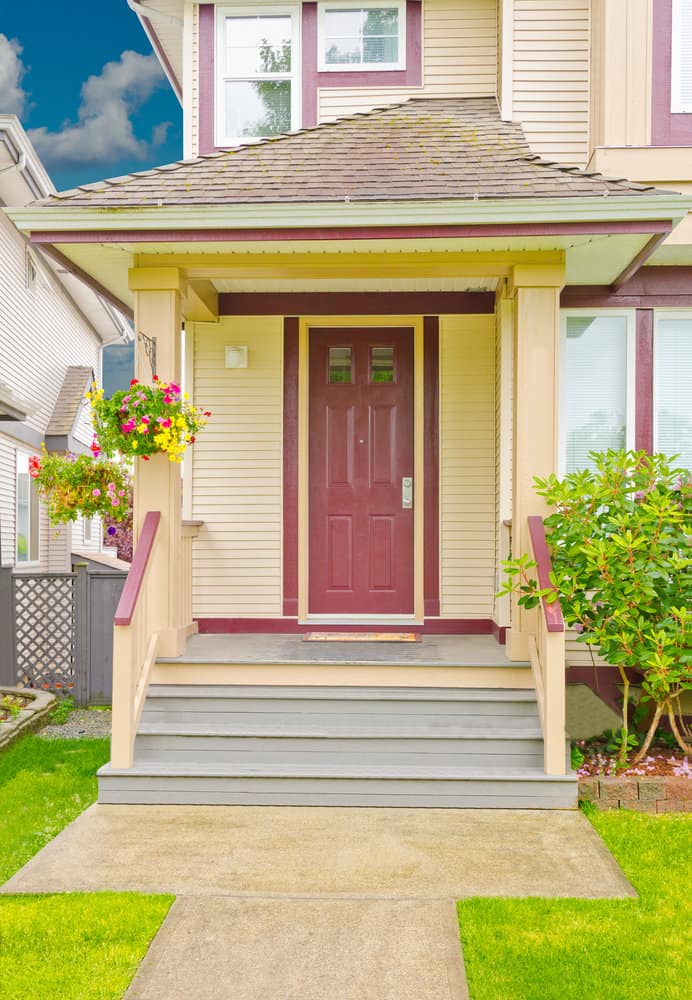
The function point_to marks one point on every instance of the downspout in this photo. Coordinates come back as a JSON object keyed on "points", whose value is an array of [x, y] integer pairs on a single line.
{"points": [[506, 88]]}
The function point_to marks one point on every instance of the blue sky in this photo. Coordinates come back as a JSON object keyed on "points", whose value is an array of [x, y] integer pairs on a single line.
{"points": [[86, 86]]}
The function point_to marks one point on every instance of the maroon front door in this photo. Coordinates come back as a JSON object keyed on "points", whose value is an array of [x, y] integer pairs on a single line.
{"points": [[361, 449]]}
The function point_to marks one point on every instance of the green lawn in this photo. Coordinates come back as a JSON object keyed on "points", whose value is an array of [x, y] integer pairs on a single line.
{"points": [[568, 949], [63, 947]]}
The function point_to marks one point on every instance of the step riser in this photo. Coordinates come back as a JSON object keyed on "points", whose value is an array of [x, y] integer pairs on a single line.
{"points": [[312, 792]]}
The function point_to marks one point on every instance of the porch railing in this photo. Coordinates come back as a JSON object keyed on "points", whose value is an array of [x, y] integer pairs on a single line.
{"points": [[547, 655], [134, 646]]}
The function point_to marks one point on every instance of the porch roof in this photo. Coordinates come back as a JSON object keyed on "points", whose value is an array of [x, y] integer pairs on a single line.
{"points": [[425, 149]]}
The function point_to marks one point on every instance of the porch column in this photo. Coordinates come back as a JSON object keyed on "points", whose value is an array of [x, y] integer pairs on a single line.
{"points": [[536, 293], [158, 294]]}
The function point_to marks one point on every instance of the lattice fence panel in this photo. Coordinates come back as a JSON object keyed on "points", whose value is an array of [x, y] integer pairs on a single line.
{"points": [[44, 608]]}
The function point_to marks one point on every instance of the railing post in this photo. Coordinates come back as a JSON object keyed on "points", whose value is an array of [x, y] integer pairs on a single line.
{"points": [[8, 657], [81, 634], [554, 751]]}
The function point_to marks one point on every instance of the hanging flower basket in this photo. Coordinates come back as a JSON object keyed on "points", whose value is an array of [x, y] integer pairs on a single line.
{"points": [[74, 485], [145, 420]]}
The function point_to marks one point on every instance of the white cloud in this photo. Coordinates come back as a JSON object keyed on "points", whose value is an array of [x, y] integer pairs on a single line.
{"points": [[103, 132], [13, 97]]}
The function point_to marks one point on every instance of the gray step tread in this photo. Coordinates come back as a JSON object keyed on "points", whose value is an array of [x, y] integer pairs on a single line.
{"points": [[336, 771], [270, 691], [374, 732]]}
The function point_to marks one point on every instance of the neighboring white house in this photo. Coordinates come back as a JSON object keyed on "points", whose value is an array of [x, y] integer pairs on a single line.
{"points": [[52, 329]]}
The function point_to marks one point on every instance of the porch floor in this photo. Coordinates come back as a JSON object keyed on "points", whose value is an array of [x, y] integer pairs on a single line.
{"points": [[432, 650]]}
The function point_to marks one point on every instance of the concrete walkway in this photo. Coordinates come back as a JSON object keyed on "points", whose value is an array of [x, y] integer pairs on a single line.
{"points": [[317, 903]]}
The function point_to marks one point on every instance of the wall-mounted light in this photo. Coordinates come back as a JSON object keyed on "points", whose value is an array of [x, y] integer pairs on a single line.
{"points": [[236, 357]]}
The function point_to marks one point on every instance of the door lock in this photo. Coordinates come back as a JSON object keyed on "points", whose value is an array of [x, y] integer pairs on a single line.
{"points": [[406, 492]]}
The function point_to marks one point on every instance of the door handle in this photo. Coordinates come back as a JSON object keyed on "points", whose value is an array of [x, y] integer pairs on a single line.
{"points": [[406, 492]]}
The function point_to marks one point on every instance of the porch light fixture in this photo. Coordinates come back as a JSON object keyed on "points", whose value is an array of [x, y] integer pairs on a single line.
{"points": [[236, 357]]}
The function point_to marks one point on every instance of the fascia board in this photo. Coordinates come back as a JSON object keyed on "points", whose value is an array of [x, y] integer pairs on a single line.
{"points": [[61, 218]]}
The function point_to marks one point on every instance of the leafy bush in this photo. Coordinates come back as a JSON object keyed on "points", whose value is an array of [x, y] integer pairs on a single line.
{"points": [[620, 540]]}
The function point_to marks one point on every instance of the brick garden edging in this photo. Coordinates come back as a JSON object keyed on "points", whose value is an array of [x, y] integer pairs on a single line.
{"points": [[649, 795], [30, 718]]}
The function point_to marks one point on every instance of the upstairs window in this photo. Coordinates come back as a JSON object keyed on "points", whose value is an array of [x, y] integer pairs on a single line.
{"points": [[258, 80], [362, 36], [681, 58]]}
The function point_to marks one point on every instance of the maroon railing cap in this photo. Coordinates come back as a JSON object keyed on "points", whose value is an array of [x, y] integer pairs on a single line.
{"points": [[133, 584], [552, 612]]}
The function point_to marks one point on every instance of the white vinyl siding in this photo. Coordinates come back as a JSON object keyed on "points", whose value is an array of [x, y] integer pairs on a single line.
{"points": [[237, 470], [595, 387], [673, 387], [551, 76], [467, 466], [681, 58], [459, 60]]}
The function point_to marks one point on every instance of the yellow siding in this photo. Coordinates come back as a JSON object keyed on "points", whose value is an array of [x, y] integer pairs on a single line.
{"points": [[459, 60], [237, 470], [467, 466], [551, 77]]}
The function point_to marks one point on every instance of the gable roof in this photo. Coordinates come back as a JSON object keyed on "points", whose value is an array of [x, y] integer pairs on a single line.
{"points": [[424, 149]]}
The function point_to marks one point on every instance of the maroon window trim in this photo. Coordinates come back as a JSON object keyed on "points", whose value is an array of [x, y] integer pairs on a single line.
{"points": [[650, 287], [312, 79], [207, 95], [667, 129], [644, 381], [431, 466], [290, 460]]}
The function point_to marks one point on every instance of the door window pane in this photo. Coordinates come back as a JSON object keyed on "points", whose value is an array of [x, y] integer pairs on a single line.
{"points": [[340, 365], [258, 108], [594, 387], [673, 388], [381, 364]]}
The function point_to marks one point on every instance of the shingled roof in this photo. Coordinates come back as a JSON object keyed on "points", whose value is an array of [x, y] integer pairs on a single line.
{"points": [[425, 149]]}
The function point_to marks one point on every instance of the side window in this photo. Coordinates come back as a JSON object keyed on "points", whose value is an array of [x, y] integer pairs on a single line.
{"points": [[594, 387], [26, 548], [258, 77], [673, 387], [356, 36], [681, 58]]}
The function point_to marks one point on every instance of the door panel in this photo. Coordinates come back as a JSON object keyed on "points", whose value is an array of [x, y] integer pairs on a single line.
{"points": [[361, 445]]}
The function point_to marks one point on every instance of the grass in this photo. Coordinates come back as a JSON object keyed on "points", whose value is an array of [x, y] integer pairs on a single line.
{"points": [[80, 946], [627, 949]]}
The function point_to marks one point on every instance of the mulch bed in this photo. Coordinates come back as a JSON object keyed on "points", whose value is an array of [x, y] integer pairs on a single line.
{"points": [[660, 761], [9, 702]]}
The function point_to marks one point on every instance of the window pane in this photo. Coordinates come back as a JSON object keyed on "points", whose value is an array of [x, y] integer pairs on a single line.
{"points": [[258, 108], [381, 364], [673, 389], [382, 21], [380, 50], [258, 45], [595, 387], [23, 516], [340, 365], [343, 22], [342, 50]]}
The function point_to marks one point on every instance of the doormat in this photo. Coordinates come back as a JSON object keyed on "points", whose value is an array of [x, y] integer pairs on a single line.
{"points": [[361, 637]]}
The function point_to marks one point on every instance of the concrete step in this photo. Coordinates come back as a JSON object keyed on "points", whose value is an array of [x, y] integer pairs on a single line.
{"points": [[430, 787]]}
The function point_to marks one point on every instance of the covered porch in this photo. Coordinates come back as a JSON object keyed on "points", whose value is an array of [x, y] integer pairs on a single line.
{"points": [[450, 298]]}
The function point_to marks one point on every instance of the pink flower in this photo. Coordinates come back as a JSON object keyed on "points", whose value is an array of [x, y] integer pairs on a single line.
{"points": [[121, 493], [96, 493], [115, 502], [167, 422], [145, 419], [110, 487]]}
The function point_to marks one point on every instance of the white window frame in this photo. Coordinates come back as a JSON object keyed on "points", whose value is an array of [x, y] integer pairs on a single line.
{"points": [[258, 9], [33, 535], [677, 104], [630, 377], [325, 5], [660, 314]]}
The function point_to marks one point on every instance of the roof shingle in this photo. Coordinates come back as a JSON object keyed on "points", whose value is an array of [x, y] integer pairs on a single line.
{"points": [[424, 149]]}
